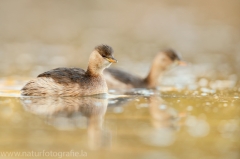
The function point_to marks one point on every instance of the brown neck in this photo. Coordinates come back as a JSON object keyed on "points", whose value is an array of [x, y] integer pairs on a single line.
{"points": [[95, 64], [92, 71], [152, 78]]}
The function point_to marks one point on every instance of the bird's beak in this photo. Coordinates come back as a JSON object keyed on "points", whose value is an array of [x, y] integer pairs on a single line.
{"points": [[112, 60], [182, 63]]}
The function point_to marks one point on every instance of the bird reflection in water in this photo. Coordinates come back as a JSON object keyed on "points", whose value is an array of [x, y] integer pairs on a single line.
{"points": [[66, 113], [162, 115], [165, 121]]}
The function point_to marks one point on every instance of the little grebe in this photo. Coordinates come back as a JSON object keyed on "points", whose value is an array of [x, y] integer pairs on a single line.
{"points": [[116, 78], [74, 81]]}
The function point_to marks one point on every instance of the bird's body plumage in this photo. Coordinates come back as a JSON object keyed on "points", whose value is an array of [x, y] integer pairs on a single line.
{"points": [[65, 82], [74, 81], [122, 79], [119, 79]]}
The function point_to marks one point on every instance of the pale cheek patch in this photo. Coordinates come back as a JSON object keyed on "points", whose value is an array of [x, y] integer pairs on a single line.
{"points": [[107, 63]]}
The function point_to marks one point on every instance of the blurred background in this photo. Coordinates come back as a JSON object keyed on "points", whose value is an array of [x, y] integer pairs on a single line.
{"points": [[38, 35]]}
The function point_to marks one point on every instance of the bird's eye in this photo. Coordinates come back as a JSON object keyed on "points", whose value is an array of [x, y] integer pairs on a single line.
{"points": [[104, 56]]}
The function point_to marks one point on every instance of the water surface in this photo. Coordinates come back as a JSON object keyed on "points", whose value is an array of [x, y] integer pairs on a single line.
{"points": [[176, 124]]}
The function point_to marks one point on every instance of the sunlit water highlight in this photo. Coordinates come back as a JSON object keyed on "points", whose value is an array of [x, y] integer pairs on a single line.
{"points": [[167, 123]]}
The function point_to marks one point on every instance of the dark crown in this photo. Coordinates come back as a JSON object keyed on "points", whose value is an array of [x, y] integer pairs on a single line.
{"points": [[172, 54], [104, 50]]}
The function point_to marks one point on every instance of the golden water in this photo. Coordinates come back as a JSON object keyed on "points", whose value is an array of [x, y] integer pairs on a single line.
{"points": [[177, 124]]}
